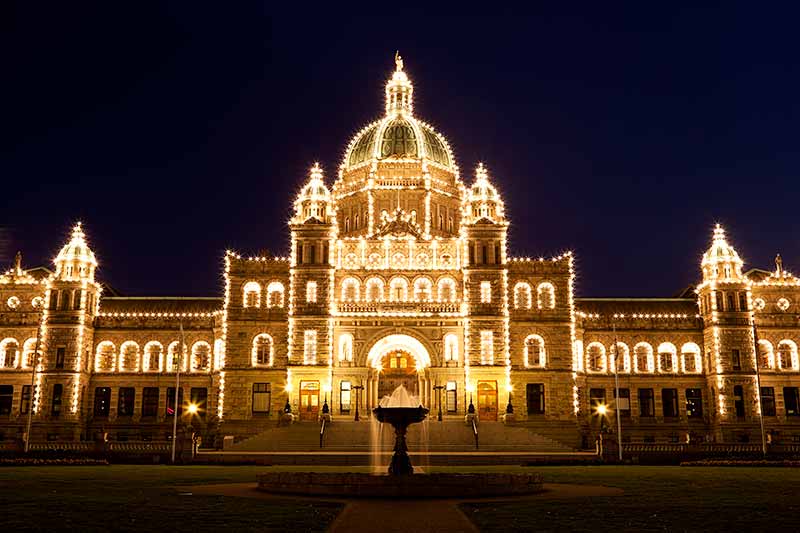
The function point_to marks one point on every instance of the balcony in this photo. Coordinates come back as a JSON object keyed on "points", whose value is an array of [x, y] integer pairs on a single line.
{"points": [[399, 308]]}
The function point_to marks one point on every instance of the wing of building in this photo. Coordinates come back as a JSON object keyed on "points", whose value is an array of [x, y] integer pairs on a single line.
{"points": [[399, 274]]}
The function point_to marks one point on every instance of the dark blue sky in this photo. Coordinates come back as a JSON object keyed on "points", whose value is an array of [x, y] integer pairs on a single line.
{"points": [[177, 131]]}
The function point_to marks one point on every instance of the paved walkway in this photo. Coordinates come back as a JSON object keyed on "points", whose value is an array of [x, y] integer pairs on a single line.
{"points": [[390, 516]]}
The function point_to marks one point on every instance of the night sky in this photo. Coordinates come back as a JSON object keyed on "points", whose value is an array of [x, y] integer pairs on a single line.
{"points": [[175, 131]]}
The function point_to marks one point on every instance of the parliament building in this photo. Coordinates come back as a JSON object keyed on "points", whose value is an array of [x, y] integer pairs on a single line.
{"points": [[399, 274]]}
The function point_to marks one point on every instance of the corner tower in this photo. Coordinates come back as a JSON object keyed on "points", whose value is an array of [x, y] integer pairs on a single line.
{"points": [[725, 304]]}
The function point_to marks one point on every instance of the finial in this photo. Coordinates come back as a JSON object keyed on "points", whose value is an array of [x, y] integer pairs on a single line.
{"points": [[316, 170], [77, 230], [779, 265], [719, 233], [18, 264], [481, 172], [398, 61]]}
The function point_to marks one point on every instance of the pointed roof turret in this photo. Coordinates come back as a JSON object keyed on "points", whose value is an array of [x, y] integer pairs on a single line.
{"points": [[76, 260], [314, 199], [721, 262], [483, 200]]}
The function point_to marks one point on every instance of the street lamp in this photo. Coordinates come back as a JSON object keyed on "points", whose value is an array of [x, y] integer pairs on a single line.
{"points": [[358, 389], [438, 389], [601, 410], [192, 408]]}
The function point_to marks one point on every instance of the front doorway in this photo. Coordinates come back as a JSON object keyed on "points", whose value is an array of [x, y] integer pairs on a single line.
{"points": [[487, 400], [309, 400], [397, 368]]}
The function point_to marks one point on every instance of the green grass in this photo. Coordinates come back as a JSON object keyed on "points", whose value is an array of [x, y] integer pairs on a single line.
{"points": [[664, 498], [143, 498]]}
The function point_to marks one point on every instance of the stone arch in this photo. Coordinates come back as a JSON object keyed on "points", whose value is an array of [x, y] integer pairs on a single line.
{"points": [[385, 343]]}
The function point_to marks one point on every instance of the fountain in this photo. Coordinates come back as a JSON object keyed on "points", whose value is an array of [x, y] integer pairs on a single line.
{"points": [[400, 410]]}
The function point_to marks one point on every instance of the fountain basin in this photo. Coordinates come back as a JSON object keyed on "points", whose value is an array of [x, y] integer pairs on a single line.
{"points": [[444, 485], [400, 416]]}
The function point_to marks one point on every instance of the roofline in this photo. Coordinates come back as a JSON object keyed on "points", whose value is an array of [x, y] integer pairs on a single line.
{"points": [[163, 298], [634, 299]]}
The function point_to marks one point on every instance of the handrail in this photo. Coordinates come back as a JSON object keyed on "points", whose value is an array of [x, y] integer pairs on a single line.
{"points": [[475, 431], [321, 431]]}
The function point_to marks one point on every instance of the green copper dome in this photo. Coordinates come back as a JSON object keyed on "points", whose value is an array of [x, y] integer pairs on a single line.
{"points": [[398, 137]]}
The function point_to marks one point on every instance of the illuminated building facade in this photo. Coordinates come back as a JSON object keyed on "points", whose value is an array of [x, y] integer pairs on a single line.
{"points": [[399, 274]]}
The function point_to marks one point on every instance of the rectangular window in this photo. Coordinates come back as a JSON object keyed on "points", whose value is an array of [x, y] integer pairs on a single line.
{"points": [[170, 408], [76, 303], [742, 301], [198, 396], [624, 403], [484, 259], [487, 348], [150, 397], [344, 397], [791, 401], [61, 352], [471, 253], [694, 403], [262, 397], [731, 305], [646, 404], [102, 401], [669, 402], [311, 292], [738, 400], [25, 400], [534, 393], [310, 347], [768, 401], [486, 292], [6, 399], [58, 391], [736, 359], [125, 402], [451, 397], [597, 397]]}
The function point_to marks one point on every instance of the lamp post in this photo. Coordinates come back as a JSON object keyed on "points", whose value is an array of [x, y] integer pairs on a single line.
{"points": [[34, 364], [358, 388], [601, 410], [438, 389], [177, 392]]}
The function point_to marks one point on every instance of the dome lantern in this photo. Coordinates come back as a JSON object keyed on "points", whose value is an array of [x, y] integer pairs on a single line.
{"points": [[399, 91], [483, 200], [721, 262], [314, 199], [76, 260]]}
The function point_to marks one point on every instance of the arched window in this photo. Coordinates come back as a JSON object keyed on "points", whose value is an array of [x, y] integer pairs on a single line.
{"points": [[787, 355], [174, 355], [533, 353], [596, 357], [450, 347], [691, 359], [422, 289], [766, 355], [105, 358], [219, 354], [263, 352], [201, 357], [9, 353], [129, 357], [346, 347], [374, 290], [546, 296], [624, 354], [275, 294], [522, 296], [446, 289], [153, 357], [667, 358], [28, 348], [251, 294], [351, 290], [643, 358], [398, 290]]}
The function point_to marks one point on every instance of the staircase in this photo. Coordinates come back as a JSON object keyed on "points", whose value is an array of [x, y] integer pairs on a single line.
{"points": [[429, 436]]}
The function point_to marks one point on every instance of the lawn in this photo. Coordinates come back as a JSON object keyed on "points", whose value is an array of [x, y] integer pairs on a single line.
{"points": [[143, 498], [667, 498]]}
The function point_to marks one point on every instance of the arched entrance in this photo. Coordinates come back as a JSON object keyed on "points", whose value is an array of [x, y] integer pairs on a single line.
{"points": [[397, 368], [396, 360]]}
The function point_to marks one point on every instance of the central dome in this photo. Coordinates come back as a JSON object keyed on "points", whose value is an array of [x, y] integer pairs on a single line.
{"points": [[398, 135]]}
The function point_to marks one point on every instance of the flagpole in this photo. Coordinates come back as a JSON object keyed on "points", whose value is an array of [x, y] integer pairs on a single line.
{"points": [[177, 389], [616, 391]]}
